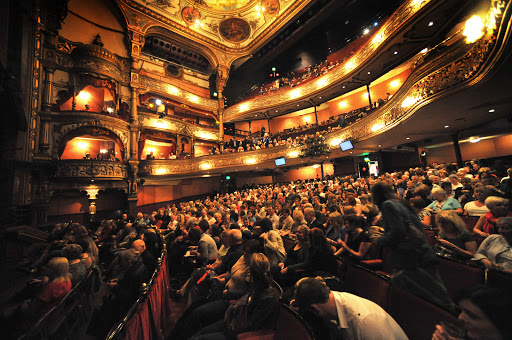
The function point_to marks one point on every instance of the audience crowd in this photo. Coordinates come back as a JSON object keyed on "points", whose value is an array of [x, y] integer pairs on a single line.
{"points": [[231, 247]]}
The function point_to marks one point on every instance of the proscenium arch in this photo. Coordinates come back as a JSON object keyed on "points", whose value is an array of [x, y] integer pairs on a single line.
{"points": [[93, 131]]}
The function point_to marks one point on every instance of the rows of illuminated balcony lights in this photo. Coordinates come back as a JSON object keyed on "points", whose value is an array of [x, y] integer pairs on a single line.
{"points": [[474, 29]]}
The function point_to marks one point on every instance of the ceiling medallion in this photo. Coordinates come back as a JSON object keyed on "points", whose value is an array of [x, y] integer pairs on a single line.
{"points": [[190, 15], [234, 30], [221, 5], [271, 7]]}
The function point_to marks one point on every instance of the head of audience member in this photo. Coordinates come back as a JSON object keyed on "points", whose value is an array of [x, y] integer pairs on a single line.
{"points": [[336, 220], [449, 222], [354, 222], [302, 234], [313, 295], [309, 214], [235, 237], [139, 246], [498, 206], [57, 269], [251, 247], [417, 203], [129, 257], [439, 194], [265, 224], [72, 252], [318, 242], [298, 217], [486, 313], [504, 225], [259, 270], [382, 192]]}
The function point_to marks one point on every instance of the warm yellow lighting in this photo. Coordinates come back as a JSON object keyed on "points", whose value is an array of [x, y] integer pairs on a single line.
{"points": [[394, 83], [377, 127], [151, 150], [307, 119], [161, 171], [172, 90], [84, 95], [103, 151], [322, 82], [205, 166], [409, 101], [293, 154], [194, 99], [343, 103], [206, 135], [151, 105], [335, 142], [474, 139], [350, 65], [160, 124], [295, 93], [250, 161], [316, 166], [425, 50], [474, 29], [365, 95], [244, 107], [82, 145]]}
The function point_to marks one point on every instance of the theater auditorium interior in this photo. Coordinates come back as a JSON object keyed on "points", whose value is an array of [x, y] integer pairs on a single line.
{"points": [[178, 169]]}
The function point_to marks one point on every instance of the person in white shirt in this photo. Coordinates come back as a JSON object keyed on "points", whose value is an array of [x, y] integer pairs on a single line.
{"points": [[356, 318]]}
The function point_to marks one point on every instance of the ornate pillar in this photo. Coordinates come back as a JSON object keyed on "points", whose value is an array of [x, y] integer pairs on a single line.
{"points": [[48, 89], [221, 125], [134, 125], [44, 137], [222, 77], [192, 148]]}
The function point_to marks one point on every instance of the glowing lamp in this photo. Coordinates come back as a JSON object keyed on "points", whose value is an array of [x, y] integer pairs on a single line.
{"points": [[474, 29], [82, 145], [84, 95]]}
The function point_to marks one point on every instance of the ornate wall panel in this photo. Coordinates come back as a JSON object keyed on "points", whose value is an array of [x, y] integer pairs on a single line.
{"points": [[176, 126], [91, 169]]}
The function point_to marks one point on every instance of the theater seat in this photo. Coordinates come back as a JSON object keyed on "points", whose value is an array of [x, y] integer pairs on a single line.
{"points": [[417, 317], [289, 325], [287, 243], [457, 275], [367, 284], [375, 260], [470, 222]]}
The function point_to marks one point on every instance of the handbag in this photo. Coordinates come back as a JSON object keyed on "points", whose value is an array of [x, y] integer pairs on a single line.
{"points": [[235, 319]]}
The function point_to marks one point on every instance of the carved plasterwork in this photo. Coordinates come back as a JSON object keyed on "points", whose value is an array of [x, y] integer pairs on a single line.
{"points": [[149, 84], [91, 168], [336, 75], [185, 166], [67, 186], [59, 131], [177, 126]]}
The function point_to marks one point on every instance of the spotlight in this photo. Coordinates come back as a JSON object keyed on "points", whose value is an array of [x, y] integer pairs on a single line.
{"points": [[158, 102]]}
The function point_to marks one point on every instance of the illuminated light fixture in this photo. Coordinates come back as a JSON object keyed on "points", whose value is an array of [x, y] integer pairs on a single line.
{"points": [[158, 102], [307, 119], [273, 69], [366, 31], [205, 166], [82, 145], [365, 95], [446, 126], [377, 127], [349, 66], [335, 142], [151, 105], [160, 124], [322, 82], [394, 83], [407, 138], [103, 151], [367, 159], [250, 161], [425, 50], [316, 166], [293, 154], [396, 52], [198, 23], [84, 95], [474, 29], [343, 103], [244, 107], [377, 39], [295, 93], [369, 72], [380, 145], [423, 153], [474, 139], [110, 110], [205, 135], [431, 23], [298, 104], [194, 99], [151, 150], [172, 90], [492, 110], [375, 23], [161, 171], [409, 101]]}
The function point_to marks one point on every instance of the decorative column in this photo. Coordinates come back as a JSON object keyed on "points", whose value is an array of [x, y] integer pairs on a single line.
{"points": [[134, 126], [192, 148], [93, 195], [48, 89], [456, 146], [44, 137], [222, 77]]}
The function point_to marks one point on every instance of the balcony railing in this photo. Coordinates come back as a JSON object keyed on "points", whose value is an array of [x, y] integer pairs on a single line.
{"points": [[91, 168]]}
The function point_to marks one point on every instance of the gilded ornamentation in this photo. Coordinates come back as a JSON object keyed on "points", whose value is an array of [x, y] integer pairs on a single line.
{"points": [[91, 168]]}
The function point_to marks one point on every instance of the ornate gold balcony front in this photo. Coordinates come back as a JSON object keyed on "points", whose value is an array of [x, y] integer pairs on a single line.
{"points": [[91, 168]]}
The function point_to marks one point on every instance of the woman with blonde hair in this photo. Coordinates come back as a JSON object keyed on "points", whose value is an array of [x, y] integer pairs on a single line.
{"points": [[335, 231], [454, 240], [498, 207]]}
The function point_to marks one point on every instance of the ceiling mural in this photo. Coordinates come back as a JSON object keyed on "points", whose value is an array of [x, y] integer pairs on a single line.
{"points": [[230, 27]]}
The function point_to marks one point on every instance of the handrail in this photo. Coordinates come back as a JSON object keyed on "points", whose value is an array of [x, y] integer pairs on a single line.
{"points": [[117, 330]]}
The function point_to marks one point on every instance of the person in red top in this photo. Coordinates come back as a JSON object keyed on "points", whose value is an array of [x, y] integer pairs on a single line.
{"points": [[58, 283], [499, 207]]}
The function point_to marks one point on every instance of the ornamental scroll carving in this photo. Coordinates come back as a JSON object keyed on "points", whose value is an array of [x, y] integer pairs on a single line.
{"points": [[91, 168], [183, 166], [466, 64]]}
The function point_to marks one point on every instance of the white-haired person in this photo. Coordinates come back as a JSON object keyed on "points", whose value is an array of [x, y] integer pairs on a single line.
{"points": [[443, 202], [498, 207]]}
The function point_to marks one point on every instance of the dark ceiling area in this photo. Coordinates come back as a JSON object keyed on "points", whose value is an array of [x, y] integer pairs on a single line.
{"points": [[320, 30]]}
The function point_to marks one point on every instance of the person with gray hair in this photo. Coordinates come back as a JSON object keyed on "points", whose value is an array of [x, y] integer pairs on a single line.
{"points": [[494, 252], [442, 202], [498, 207], [356, 318]]}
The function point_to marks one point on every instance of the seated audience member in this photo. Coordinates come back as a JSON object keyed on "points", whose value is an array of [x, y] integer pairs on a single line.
{"points": [[58, 282], [77, 269], [285, 222], [442, 202], [232, 255], [495, 250], [485, 315], [454, 240], [477, 207], [321, 260], [355, 318], [356, 246], [272, 242], [206, 246], [498, 207], [313, 222], [335, 231], [297, 254], [418, 204]]}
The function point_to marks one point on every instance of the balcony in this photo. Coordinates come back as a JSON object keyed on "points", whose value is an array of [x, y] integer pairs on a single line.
{"points": [[91, 168]]}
